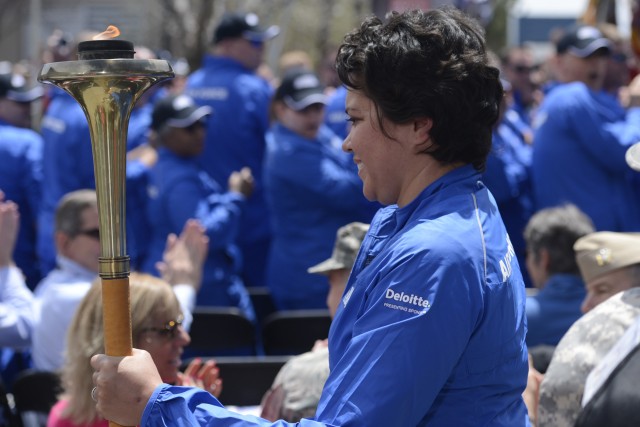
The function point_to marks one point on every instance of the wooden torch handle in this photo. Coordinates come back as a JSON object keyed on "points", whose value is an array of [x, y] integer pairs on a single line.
{"points": [[117, 319]]}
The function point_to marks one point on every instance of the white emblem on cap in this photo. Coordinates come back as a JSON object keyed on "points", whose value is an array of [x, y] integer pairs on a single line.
{"points": [[17, 80], [181, 102], [251, 19], [588, 33], [306, 81]]}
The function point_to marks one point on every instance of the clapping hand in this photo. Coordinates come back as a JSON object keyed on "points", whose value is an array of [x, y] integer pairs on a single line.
{"points": [[204, 375]]}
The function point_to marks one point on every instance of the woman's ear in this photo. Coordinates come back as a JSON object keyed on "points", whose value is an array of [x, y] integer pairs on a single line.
{"points": [[422, 134]]}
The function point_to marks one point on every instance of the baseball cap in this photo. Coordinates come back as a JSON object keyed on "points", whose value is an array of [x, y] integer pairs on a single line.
{"points": [[14, 87], [348, 241], [178, 111], [582, 41], [602, 252], [244, 25], [299, 89]]}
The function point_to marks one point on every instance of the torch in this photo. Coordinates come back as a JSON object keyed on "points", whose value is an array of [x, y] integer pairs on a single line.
{"points": [[106, 81]]}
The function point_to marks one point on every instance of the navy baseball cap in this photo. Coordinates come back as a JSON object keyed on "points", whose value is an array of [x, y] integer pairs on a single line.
{"points": [[583, 41], [299, 89], [177, 111], [243, 25], [14, 87]]}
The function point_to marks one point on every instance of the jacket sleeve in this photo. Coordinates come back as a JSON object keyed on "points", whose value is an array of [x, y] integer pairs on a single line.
{"points": [[16, 312], [218, 213], [189, 406]]}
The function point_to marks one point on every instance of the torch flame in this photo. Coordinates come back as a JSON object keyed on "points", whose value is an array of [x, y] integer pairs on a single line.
{"points": [[111, 32]]}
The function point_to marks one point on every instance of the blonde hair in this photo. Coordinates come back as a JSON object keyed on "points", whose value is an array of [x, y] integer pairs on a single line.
{"points": [[151, 298]]}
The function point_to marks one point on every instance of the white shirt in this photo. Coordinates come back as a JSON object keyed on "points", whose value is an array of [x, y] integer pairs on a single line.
{"points": [[58, 296], [16, 309]]}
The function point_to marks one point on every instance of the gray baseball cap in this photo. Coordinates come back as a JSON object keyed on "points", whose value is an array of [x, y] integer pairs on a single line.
{"points": [[348, 241]]}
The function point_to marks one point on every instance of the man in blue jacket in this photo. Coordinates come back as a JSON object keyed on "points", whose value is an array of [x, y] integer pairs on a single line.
{"points": [[235, 133], [21, 167], [431, 328], [582, 134], [179, 190]]}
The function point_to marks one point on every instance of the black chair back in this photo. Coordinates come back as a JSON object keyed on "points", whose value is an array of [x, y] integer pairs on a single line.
{"points": [[221, 331], [245, 379], [293, 332], [34, 394], [262, 302]]}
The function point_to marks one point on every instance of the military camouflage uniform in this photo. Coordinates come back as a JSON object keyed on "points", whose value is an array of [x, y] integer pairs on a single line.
{"points": [[582, 347]]}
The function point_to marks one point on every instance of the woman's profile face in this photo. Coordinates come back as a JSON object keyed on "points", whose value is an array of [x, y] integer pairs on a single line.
{"points": [[165, 341], [382, 162]]}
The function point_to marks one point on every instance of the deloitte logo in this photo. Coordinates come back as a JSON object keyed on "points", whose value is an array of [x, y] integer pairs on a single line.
{"points": [[407, 298]]}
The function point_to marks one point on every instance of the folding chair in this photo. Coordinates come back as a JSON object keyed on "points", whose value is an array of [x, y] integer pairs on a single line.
{"points": [[292, 332], [221, 331], [247, 378], [262, 302], [34, 394]]}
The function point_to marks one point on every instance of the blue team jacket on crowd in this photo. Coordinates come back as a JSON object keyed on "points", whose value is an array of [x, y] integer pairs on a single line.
{"points": [[335, 116], [580, 141], [67, 165], [180, 190], [431, 329], [552, 311], [235, 139], [507, 175], [20, 180], [312, 189]]}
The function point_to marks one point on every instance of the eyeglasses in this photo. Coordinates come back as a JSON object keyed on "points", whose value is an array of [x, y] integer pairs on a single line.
{"points": [[169, 331], [255, 43], [94, 233], [522, 69]]}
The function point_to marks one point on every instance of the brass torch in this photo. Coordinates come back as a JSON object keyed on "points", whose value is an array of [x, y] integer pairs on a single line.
{"points": [[107, 82]]}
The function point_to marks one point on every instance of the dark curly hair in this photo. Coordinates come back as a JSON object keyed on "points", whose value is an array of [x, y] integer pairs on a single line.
{"points": [[427, 64]]}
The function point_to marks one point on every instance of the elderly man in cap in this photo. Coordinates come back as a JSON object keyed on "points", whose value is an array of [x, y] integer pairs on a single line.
{"points": [[581, 134], [296, 391], [227, 82], [21, 166], [609, 265]]}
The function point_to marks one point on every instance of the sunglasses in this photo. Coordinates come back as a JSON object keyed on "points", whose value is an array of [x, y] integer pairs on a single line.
{"points": [[94, 233], [522, 69], [255, 43], [169, 331]]}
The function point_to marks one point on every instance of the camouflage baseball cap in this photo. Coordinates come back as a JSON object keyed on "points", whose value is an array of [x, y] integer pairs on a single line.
{"points": [[605, 251], [348, 241]]}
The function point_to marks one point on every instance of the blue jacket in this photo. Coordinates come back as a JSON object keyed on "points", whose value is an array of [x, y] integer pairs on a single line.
{"points": [[507, 176], [580, 141], [67, 165], [235, 138], [431, 330], [180, 190], [335, 116], [552, 311], [312, 189], [20, 180]]}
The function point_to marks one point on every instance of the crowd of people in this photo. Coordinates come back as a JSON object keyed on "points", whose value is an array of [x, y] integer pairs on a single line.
{"points": [[484, 177]]}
